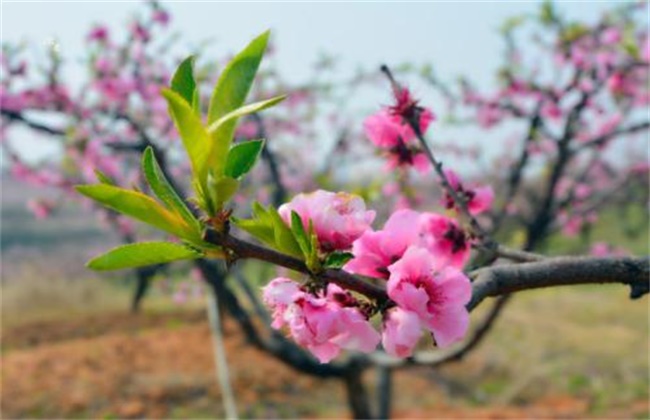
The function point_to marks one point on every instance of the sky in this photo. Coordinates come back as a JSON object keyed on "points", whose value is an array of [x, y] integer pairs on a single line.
{"points": [[457, 37]]}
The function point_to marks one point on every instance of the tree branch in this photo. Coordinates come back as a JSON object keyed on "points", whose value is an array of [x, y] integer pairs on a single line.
{"points": [[600, 140], [19, 117], [243, 249], [562, 271], [490, 281]]}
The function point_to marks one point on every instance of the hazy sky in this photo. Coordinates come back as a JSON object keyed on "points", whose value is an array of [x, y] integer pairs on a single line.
{"points": [[456, 37]]}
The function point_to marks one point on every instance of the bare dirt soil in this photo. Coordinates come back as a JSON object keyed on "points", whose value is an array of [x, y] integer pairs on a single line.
{"points": [[161, 366]]}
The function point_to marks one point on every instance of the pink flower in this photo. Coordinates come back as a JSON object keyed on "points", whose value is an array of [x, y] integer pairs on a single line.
{"points": [[323, 324], [389, 130], [279, 294], [103, 65], [616, 83], [41, 209], [551, 111], [356, 333], [586, 85], [384, 131], [401, 332], [610, 124], [99, 34], [406, 108], [445, 239], [338, 218], [571, 225], [488, 116], [140, 33], [600, 249], [437, 295], [375, 251], [161, 16], [478, 199], [611, 36], [181, 295], [582, 191], [405, 157]]}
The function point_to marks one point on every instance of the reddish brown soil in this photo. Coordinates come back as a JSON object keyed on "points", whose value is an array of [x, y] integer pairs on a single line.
{"points": [[161, 366]]}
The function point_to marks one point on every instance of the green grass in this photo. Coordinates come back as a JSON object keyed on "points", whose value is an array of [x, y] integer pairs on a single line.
{"points": [[584, 341]]}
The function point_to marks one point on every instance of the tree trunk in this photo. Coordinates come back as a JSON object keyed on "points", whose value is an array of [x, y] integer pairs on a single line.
{"points": [[384, 391], [357, 395]]}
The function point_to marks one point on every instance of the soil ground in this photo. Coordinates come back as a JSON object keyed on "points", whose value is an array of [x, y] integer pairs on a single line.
{"points": [[160, 365]]}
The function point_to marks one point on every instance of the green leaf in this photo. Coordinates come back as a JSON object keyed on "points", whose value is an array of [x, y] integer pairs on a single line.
{"points": [[260, 226], [338, 259], [195, 138], [222, 132], [103, 178], [244, 110], [184, 84], [164, 190], [139, 206], [242, 158], [268, 227], [299, 233], [313, 261], [222, 190], [230, 94], [256, 228], [237, 78], [142, 254], [284, 239], [632, 49], [574, 31]]}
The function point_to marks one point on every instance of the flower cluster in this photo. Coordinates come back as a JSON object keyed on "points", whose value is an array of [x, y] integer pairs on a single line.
{"points": [[419, 256], [324, 323], [389, 130]]}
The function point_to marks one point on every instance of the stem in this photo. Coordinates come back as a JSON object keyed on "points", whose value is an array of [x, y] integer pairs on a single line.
{"points": [[243, 249]]}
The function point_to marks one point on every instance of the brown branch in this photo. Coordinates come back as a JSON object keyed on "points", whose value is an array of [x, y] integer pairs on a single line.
{"points": [[538, 228], [562, 271], [516, 172], [600, 140], [489, 281], [242, 249]]}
